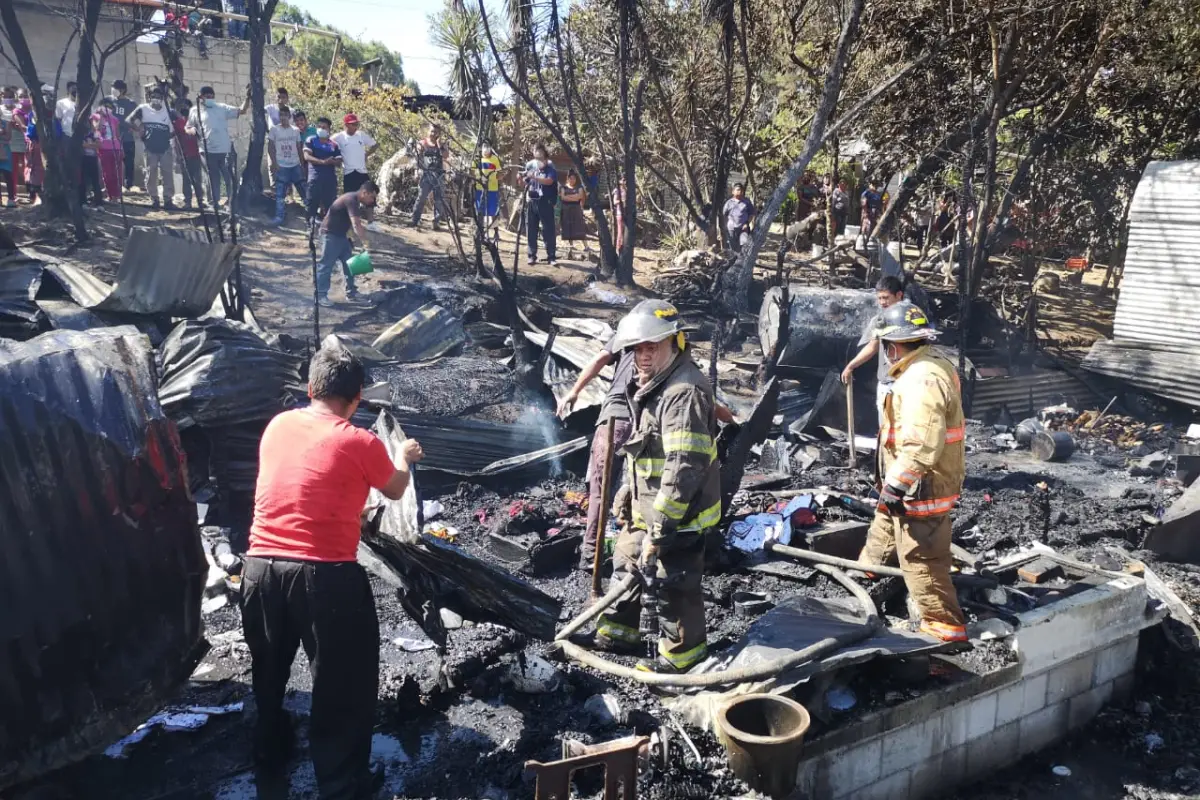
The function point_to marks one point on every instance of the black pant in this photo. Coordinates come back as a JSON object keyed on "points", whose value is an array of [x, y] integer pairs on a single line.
{"points": [[130, 152], [839, 222], [327, 607], [540, 212], [322, 191], [90, 178], [353, 181]]}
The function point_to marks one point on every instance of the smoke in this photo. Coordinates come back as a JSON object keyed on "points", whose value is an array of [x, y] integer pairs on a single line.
{"points": [[540, 416]]}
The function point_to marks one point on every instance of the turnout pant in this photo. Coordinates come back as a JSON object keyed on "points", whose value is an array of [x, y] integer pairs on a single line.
{"points": [[156, 163], [923, 547], [683, 639], [540, 213], [622, 428], [431, 183], [328, 607]]}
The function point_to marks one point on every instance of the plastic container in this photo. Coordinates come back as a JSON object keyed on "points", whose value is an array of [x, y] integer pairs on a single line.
{"points": [[359, 263]]}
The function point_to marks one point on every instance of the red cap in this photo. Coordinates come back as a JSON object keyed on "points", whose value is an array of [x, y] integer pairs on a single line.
{"points": [[350, 119]]}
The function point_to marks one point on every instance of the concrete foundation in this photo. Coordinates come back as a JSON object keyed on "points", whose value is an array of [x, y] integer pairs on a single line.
{"points": [[1074, 656]]}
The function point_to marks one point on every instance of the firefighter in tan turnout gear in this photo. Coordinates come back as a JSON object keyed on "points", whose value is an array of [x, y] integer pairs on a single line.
{"points": [[921, 466], [675, 490]]}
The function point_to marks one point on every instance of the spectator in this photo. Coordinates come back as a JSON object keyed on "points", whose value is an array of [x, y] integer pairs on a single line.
{"points": [[187, 155], [617, 202], [541, 182], [357, 146], [344, 215], [64, 110], [739, 214], [487, 185], [300, 120], [108, 133], [124, 105], [806, 196], [35, 168], [839, 202], [210, 122], [90, 170], [283, 151], [431, 160], [14, 116], [946, 217], [872, 207], [237, 27], [6, 166], [322, 155], [574, 229], [152, 122], [272, 109]]}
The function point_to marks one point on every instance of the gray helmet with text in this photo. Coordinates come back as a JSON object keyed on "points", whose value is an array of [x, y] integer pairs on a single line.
{"points": [[650, 321]]}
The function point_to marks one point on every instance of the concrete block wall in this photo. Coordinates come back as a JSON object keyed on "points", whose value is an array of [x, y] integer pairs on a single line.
{"points": [[973, 735]]}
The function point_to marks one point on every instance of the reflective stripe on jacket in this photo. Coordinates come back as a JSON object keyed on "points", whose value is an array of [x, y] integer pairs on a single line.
{"points": [[921, 445], [673, 465]]}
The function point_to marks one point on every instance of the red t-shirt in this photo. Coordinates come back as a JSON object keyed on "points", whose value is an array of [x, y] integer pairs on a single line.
{"points": [[314, 472], [189, 143]]}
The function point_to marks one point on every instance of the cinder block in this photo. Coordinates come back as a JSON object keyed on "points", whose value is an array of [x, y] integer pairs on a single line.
{"points": [[939, 774], [1123, 687], [855, 767], [1034, 697], [995, 750], [1010, 703], [1115, 661], [904, 747], [981, 716], [893, 787], [1082, 708], [1043, 728], [1070, 679]]}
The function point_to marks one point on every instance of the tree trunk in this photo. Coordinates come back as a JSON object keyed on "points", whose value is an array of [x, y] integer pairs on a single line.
{"points": [[259, 27]]}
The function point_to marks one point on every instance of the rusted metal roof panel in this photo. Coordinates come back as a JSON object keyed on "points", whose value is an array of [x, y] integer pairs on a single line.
{"points": [[164, 271]]}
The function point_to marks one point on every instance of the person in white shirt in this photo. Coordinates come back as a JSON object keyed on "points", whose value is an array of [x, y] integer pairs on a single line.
{"points": [[209, 121], [64, 109], [356, 146], [272, 109], [283, 151]]}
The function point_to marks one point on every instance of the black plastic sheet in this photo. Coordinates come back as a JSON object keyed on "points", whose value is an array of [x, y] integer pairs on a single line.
{"points": [[216, 372], [20, 276], [102, 570]]}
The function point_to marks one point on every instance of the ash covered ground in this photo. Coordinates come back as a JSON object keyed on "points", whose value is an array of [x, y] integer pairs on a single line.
{"points": [[472, 740]]}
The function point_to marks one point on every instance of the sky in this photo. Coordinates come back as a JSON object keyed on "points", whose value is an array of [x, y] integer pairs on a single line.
{"points": [[402, 25]]}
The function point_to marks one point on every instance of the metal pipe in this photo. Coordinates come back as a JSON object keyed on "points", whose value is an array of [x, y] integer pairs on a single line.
{"points": [[596, 609], [979, 581], [754, 672], [605, 478]]}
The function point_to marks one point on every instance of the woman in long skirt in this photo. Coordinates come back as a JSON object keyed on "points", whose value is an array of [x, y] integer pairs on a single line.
{"points": [[574, 229]]}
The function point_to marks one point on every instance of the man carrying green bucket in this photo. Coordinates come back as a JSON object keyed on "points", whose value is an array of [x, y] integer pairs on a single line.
{"points": [[346, 213]]}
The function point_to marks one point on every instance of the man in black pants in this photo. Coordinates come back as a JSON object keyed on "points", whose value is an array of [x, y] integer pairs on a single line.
{"points": [[541, 190], [301, 583]]}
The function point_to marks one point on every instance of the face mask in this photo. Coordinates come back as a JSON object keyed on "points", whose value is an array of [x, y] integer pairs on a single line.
{"points": [[26, 104], [156, 104], [8, 101], [323, 133], [210, 102]]}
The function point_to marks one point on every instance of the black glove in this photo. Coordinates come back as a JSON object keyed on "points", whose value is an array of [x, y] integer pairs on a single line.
{"points": [[891, 499]]}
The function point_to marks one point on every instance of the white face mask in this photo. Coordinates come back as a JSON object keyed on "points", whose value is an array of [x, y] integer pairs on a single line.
{"points": [[323, 133]]}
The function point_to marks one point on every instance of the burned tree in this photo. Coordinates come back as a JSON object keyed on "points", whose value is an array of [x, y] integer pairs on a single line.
{"points": [[259, 13]]}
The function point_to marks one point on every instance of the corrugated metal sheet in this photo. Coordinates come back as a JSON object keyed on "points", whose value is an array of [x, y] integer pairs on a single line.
{"points": [[578, 350], [429, 332], [1046, 386], [560, 376], [1169, 371], [81, 285], [592, 328], [1161, 281], [164, 271], [102, 570]]}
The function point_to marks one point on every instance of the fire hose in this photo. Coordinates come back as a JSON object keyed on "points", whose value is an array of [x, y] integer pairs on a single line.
{"points": [[745, 674]]}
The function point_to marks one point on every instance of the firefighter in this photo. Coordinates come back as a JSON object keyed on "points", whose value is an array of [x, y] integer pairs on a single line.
{"points": [[922, 464], [675, 490]]}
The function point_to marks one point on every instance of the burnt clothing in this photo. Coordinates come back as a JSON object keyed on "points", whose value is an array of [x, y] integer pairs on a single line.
{"points": [[673, 469], [683, 639], [328, 607], [622, 428], [923, 547]]}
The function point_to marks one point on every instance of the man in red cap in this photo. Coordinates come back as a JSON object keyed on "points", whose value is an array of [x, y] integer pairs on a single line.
{"points": [[356, 146]]}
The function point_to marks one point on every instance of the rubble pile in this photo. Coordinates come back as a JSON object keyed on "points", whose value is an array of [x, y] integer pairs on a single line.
{"points": [[690, 282]]}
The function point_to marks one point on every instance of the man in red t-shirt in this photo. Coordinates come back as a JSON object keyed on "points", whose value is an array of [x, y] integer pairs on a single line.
{"points": [[302, 584]]}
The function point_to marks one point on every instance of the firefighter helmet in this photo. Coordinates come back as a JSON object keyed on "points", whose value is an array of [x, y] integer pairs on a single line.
{"points": [[649, 321], [904, 322]]}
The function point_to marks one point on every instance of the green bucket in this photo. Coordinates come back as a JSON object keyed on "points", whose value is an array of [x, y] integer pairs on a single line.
{"points": [[359, 263]]}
